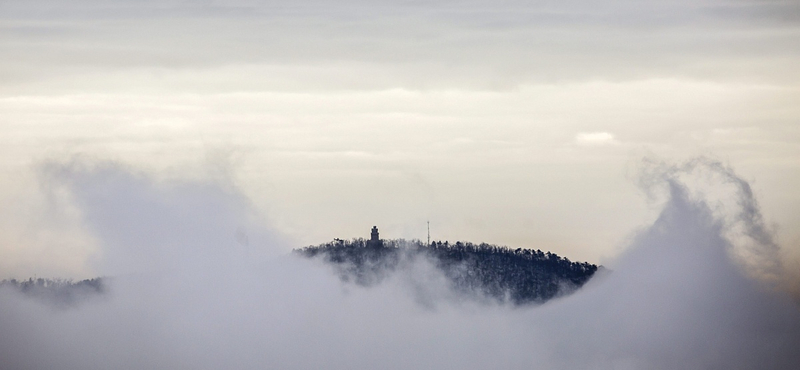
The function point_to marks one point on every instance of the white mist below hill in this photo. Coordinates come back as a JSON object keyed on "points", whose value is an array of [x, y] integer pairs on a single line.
{"points": [[675, 300]]}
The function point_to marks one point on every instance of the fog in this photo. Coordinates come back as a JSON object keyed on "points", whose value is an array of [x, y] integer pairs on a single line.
{"points": [[197, 282]]}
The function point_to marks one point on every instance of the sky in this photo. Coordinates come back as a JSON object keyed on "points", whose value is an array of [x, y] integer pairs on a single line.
{"points": [[181, 149], [518, 123]]}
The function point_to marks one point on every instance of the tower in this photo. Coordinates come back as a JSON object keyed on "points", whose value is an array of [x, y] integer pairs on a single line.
{"points": [[374, 236]]}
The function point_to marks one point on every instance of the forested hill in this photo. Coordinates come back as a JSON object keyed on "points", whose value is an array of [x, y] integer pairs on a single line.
{"points": [[58, 292], [519, 276]]}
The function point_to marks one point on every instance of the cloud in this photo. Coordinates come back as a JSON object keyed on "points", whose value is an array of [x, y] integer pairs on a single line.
{"points": [[364, 45], [675, 299], [147, 225], [595, 138]]}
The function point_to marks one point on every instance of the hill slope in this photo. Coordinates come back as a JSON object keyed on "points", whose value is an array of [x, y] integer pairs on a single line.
{"points": [[519, 276], [58, 292]]}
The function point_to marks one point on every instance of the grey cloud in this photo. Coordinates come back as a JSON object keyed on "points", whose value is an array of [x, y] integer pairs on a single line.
{"points": [[675, 299], [414, 45], [741, 214], [149, 225]]}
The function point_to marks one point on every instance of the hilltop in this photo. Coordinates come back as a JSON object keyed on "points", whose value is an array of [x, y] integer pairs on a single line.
{"points": [[519, 276], [59, 292]]}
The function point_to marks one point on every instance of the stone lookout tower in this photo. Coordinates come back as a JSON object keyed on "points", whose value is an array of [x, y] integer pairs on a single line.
{"points": [[374, 238]]}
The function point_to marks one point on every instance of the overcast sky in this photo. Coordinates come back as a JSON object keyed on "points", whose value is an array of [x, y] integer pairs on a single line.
{"points": [[519, 123]]}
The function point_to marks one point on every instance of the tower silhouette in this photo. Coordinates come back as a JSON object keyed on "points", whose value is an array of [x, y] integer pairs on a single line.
{"points": [[374, 237]]}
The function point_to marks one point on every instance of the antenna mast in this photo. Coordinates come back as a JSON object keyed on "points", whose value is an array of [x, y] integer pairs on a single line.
{"points": [[429, 233]]}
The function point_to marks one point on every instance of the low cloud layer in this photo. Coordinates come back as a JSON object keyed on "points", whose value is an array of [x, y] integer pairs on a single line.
{"points": [[148, 225], [199, 300]]}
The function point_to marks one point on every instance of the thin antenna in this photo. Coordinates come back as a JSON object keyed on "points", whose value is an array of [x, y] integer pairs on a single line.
{"points": [[429, 233]]}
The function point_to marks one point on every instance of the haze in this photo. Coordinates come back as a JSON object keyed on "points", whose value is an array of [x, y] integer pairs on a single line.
{"points": [[185, 148]]}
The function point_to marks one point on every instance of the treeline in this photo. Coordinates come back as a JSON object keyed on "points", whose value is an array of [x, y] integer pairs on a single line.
{"points": [[519, 276], [60, 292]]}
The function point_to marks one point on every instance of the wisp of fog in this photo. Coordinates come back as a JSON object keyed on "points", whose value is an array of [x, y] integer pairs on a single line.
{"points": [[195, 282]]}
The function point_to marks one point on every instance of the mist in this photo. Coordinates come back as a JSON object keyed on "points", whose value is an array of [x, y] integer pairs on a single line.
{"points": [[197, 280]]}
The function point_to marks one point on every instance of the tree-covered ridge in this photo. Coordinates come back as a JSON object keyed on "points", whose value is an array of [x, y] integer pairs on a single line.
{"points": [[519, 275], [59, 292]]}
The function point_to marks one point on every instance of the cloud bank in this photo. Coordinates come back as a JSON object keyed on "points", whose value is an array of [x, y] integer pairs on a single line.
{"points": [[149, 225], [437, 110], [198, 300]]}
